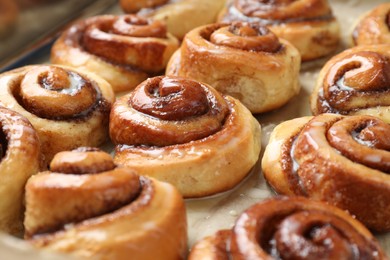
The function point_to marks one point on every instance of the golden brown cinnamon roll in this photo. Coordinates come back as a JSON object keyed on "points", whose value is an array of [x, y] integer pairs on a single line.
{"points": [[88, 207], [20, 158], [124, 50], [373, 27], [186, 133], [181, 16], [243, 60], [308, 24], [291, 228], [333, 158], [67, 107], [356, 81]]}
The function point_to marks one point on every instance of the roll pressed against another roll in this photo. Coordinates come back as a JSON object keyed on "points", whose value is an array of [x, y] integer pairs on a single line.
{"points": [[308, 24], [181, 16], [186, 133], [243, 60], [341, 160], [122, 49], [356, 81], [373, 27], [88, 207], [290, 228], [67, 107], [20, 158]]}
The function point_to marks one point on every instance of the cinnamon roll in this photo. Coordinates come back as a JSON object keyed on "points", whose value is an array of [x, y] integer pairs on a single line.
{"points": [[67, 107], [181, 16], [20, 158], [373, 27], [88, 207], [124, 49], [356, 81], [184, 132], [308, 24], [341, 160], [243, 60], [291, 228]]}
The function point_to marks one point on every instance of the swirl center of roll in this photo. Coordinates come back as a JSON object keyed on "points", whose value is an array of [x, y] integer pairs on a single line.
{"points": [[136, 26], [246, 36], [171, 99], [82, 161], [362, 71], [56, 93], [82, 184], [368, 135]]}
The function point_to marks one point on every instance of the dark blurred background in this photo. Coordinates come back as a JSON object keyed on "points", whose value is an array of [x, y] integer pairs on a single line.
{"points": [[28, 27]]}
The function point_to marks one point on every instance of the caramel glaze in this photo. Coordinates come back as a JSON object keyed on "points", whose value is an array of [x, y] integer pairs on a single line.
{"points": [[89, 185], [288, 165], [363, 140], [246, 36], [106, 37], [291, 228], [20, 156], [374, 27], [88, 207], [58, 94], [359, 80], [252, 37], [163, 111], [307, 24]]}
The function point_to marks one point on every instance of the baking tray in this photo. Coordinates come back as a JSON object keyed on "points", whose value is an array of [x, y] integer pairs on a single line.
{"points": [[205, 216]]}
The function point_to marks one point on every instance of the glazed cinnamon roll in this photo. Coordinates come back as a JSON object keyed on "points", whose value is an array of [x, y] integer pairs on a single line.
{"points": [[341, 160], [184, 132], [88, 207], [243, 60], [20, 158], [124, 49], [373, 27], [308, 24], [356, 81], [181, 16], [67, 107], [291, 228]]}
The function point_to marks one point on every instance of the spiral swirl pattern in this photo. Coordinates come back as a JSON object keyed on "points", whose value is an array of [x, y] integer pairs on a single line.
{"points": [[374, 27], [85, 193], [232, 53], [56, 93], [67, 107], [246, 36], [177, 111], [334, 158], [21, 157], [187, 133], [308, 24], [123, 49], [354, 82], [293, 228]]}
